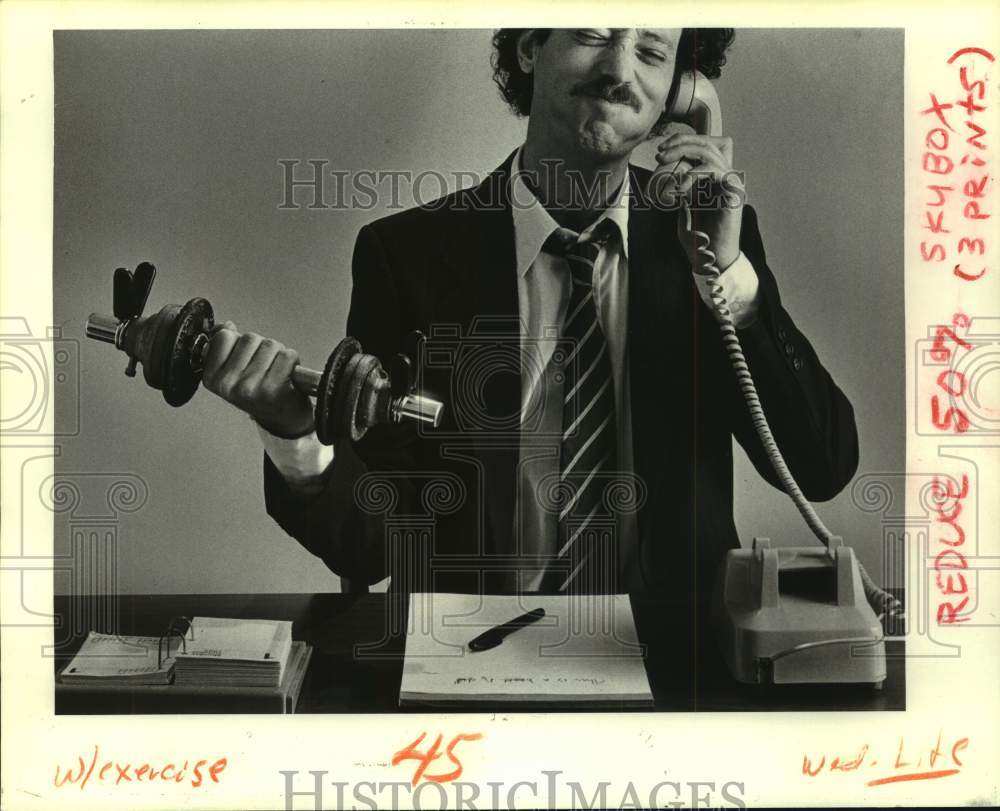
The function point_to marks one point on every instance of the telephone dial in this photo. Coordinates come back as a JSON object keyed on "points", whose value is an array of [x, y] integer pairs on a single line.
{"points": [[789, 615]]}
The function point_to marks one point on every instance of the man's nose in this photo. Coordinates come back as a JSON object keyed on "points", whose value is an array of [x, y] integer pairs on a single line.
{"points": [[616, 62]]}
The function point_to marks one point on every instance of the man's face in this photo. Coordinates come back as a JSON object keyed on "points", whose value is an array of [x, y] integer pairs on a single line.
{"points": [[599, 91]]}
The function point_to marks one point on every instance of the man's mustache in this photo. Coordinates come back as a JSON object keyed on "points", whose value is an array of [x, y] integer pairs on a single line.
{"points": [[609, 91]]}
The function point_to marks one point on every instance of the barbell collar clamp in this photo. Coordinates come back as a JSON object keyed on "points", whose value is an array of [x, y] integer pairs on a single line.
{"points": [[416, 407]]}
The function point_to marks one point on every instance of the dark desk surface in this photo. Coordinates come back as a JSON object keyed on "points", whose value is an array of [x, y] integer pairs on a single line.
{"points": [[358, 643]]}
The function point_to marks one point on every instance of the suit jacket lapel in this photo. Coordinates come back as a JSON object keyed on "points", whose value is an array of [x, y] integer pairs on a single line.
{"points": [[653, 277], [481, 297], [658, 319], [479, 258]]}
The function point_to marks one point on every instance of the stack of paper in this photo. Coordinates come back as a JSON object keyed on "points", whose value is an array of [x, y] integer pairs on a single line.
{"points": [[118, 661], [583, 651], [234, 653]]}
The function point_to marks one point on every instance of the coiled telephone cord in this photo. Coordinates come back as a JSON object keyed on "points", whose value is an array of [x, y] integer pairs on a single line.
{"points": [[883, 603]]}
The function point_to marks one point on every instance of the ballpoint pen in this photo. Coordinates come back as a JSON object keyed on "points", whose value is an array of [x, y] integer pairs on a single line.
{"points": [[494, 636]]}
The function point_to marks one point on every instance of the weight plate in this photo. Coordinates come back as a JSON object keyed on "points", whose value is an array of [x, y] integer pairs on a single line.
{"points": [[365, 402], [345, 401], [180, 380], [153, 345], [326, 424]]}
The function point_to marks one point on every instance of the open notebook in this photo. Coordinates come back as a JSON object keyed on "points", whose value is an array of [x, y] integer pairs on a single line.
{"points": [[584, 651]]}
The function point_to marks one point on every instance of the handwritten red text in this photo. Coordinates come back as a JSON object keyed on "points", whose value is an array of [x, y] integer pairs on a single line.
{"points": [[114, 772], [922, 763], [424, 759]]}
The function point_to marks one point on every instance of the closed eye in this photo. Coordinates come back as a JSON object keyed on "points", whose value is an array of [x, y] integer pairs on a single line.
{"points": [[589, 36]]}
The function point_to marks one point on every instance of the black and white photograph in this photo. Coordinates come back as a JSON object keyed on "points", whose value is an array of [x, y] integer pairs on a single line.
{"points": [[496, 332], [409, 376]]}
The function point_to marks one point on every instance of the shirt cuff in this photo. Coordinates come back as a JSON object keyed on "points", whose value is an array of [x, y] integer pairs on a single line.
{"points": [[301, 462], [740, 287]]}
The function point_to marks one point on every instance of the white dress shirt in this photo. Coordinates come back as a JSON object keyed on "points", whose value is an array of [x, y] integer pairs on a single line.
{"points": [[544, 287]]}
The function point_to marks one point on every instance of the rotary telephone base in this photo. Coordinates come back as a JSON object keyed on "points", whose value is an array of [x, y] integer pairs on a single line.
{"points": [[797, 616]]}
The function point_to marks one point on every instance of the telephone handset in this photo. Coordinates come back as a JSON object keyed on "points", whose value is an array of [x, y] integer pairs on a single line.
{"points": [[696, 104]]}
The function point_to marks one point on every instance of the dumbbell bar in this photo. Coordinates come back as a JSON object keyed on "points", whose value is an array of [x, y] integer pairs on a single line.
{"points": [[353, 392]]}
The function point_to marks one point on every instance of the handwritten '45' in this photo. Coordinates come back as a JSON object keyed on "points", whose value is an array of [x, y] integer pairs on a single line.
{"points": [[410, 752]]}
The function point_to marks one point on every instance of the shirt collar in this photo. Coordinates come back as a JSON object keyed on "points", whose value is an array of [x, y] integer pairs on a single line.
{"points": [[533, 224]]}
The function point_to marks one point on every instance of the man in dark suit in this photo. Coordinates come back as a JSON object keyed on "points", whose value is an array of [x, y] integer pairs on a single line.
{"points": [[590, 406]]}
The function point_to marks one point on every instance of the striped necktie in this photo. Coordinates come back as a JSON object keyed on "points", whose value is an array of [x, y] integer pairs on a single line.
{"points": [[586, 561]]}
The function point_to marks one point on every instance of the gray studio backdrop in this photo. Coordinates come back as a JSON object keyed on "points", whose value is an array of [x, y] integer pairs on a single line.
{"points": [[167, 148]]}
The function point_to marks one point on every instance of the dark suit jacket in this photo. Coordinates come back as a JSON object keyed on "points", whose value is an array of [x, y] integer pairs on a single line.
{"points": [[435, 510]]}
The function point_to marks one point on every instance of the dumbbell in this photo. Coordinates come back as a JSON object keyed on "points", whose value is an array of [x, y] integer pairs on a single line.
{"points": [[353, 392]]}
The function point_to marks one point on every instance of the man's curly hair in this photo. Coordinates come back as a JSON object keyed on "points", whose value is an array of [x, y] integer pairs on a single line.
{"points": [[701, 49]]}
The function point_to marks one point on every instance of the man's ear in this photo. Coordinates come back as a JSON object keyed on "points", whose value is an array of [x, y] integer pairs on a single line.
{"points": [[527, 47]]}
